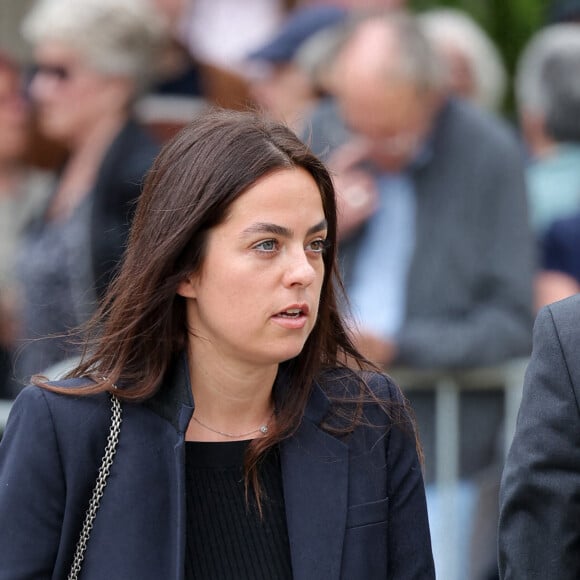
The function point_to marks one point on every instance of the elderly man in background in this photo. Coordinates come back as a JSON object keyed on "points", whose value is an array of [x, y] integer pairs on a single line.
{"points": [[436, 248], [437, 251]]}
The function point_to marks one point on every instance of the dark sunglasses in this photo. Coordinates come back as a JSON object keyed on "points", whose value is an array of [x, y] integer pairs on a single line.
{"points": [[55, 71]]}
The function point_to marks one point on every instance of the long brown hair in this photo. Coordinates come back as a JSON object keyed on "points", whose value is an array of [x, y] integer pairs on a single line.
{"points": [[140, 328]]}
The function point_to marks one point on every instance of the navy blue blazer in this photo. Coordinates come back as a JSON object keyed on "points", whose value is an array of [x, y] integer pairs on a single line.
{"points": [[355, 505]]}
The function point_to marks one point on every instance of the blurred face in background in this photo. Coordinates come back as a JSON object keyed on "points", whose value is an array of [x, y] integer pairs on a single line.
{"points": [[71, 97], [392, 119], [13, 116], [384, 109]]}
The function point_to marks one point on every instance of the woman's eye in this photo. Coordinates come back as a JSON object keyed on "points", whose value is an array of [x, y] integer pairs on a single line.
{"points": [[266, 246], [318, 246]]}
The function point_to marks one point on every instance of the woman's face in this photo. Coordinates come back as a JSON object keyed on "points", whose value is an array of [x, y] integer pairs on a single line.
{"points": [[13, 117], [71, 97], [256, 297]]}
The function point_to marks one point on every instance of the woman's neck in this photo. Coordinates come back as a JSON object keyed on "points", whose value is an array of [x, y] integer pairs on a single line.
{"points": [[99, 134], [230, 399]]}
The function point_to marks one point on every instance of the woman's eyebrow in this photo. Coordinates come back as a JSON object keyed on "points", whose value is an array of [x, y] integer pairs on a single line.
{"points": [[269, 228], [322, 225]]}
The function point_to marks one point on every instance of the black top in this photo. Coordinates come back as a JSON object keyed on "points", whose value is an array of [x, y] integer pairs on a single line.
{"points": [[226, 538]]}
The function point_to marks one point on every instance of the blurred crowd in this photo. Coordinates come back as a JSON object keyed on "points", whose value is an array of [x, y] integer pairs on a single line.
{"points": [[456, 222]]}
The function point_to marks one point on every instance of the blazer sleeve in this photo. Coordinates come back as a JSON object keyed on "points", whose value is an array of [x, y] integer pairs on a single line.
{"points": [[32, 490], [539, 530], [410, 552]]}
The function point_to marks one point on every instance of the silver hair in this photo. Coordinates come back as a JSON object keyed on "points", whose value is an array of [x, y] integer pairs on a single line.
{"points": [[461, 30], [559, 43], [417, 61], [116, 37]]}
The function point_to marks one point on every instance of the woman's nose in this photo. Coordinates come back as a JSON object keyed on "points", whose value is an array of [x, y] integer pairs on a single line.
{"points": [[299, 270]]}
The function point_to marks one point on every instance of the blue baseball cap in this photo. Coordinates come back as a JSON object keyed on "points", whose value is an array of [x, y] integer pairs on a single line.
{"points": [[299, 27]]}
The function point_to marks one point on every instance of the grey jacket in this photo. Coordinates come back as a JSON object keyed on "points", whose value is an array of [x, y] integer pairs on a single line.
{"points": [[539, 533], [469, 292]]}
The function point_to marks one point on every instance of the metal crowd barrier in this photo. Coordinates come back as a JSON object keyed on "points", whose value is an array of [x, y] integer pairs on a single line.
{"points": [[448, 386], [4, 410]]}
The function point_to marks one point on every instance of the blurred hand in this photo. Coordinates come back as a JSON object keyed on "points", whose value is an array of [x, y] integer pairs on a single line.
{"points": [[9, 328], [378, 350], [357, 197], [551, 286]]}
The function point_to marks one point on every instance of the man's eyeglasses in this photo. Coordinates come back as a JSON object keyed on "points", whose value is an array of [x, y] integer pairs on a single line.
{"points": [[57, 72], [397, 144]]}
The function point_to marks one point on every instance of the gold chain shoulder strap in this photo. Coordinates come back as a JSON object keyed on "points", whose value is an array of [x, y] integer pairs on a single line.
{"points": [[104, 470]]}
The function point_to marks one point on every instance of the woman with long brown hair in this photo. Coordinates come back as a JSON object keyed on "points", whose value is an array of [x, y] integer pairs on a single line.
{"points": [[241, 445]]}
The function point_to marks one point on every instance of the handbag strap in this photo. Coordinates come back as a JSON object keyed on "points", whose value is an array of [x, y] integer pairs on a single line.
{"points": [[104, 470]]}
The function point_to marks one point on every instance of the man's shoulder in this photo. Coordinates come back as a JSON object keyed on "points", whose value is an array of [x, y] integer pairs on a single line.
{"points": [[461, 123], [565, 311], [558, 325]]}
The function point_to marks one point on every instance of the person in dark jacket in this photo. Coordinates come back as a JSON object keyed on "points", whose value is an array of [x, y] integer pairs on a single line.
{"points": [[539, 530], [92, 60], [255, 441]]}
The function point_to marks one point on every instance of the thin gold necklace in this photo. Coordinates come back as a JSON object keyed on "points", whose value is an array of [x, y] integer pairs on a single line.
{"points": [[261, 429]]}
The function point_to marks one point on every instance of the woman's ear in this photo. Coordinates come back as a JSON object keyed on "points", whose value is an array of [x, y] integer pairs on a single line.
{"points": [[187, 287]]}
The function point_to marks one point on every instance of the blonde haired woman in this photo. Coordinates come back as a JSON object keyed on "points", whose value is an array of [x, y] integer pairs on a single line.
{"points": [[93, 58]]}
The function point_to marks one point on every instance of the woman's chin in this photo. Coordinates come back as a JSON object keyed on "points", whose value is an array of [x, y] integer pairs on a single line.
{"points": [[280, 355]]}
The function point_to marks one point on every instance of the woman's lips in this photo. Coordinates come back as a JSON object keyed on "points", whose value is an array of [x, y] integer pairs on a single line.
{"points": [[292, 317]]}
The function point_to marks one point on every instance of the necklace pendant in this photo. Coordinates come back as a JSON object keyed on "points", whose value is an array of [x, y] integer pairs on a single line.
{"points": [[263, 429]]}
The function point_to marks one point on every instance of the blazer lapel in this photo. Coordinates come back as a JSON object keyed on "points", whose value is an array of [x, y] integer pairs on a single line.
{"points": [[315, 476]]}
